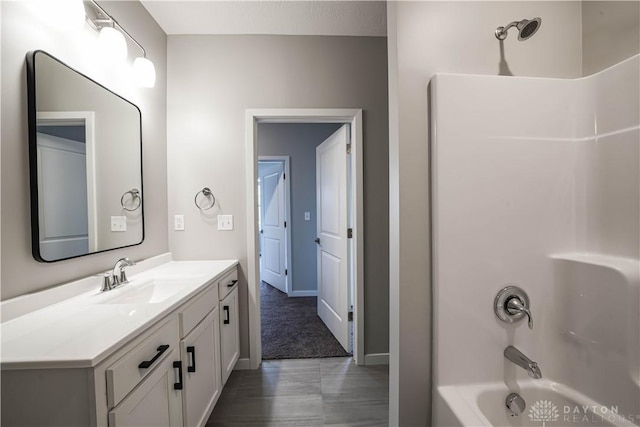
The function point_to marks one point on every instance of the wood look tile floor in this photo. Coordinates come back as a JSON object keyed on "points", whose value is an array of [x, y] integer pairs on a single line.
{"points": [[305, 392]]}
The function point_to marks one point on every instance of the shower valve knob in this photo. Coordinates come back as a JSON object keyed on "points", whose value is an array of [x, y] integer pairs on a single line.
{"points": [[512, 304]]}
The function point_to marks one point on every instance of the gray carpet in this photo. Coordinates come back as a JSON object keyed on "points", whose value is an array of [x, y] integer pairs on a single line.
{"points": [[291, 328]]}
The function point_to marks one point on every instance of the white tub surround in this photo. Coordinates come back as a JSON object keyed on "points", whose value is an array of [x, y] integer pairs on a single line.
{"points": [[82, 331], [536, 182]]}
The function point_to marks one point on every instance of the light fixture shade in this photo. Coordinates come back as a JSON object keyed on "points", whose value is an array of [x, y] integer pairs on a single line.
{"points": [[112, 45], [144, 72]]}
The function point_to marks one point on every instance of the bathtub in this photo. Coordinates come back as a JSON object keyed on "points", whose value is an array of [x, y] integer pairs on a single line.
{"points": [[478, 405]]}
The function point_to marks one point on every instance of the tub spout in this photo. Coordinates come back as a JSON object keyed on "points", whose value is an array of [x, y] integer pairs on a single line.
{"points": [[517, 357]]}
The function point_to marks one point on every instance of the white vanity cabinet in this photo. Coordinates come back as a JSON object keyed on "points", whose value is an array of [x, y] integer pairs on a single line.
{"points": [[169, 374], [229, 323], [200, 357], [156, 402], [143, 384]]}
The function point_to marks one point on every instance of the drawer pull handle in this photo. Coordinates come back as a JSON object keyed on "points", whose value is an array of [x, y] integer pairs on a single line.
{"points": [[147, 363], [178, 385], [192, 350], [226, 315], [231, 283]]}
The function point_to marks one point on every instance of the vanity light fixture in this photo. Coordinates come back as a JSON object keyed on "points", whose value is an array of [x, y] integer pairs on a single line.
{"points": [[114, 46]]}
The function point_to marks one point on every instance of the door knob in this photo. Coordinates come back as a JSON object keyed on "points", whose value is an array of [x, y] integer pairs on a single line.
{"points": [[317, 240]]}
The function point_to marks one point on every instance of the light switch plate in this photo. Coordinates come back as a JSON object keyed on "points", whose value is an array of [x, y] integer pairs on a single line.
{"points": [[178, 222], [307, 216], [118, 223], [225, 222]]}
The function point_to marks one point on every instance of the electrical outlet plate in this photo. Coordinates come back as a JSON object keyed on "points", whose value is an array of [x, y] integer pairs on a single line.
{"points": [[178, 222], [118, 224], [307, 216], [225, 222]]}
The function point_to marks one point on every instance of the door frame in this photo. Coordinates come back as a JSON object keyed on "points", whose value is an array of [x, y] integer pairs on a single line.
{"points": [[287, 213], [303, 115], [87, 119]]}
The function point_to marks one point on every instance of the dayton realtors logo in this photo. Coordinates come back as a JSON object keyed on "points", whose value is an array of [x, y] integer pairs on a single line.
{"points": [[544, 411]]}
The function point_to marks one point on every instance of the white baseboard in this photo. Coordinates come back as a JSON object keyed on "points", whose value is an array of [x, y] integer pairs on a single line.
{"points": [[243, 364], [303, 293], [376, 359]]}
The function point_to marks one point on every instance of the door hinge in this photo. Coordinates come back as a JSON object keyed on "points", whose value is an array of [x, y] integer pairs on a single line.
{"points": [[286, 272], [348, 148], [284, 176], [350, 316], [349, 233], [285, 224]]}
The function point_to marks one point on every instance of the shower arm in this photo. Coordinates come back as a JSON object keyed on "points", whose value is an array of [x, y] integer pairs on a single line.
{"points": [[501, 32]]}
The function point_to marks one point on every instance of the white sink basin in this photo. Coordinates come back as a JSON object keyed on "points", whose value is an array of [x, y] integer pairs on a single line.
{"points": [[142, 291]]}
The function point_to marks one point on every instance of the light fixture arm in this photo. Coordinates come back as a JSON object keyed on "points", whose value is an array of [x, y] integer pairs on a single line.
{"points": [[104, 19]]}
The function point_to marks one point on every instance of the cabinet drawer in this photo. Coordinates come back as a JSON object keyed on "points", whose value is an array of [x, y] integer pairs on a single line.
{"points": [[155, 346], [228, 283], [194, 312]]}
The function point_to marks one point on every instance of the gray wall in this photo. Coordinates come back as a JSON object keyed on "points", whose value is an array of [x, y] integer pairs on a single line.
{"points": [[437, 37], [299, 141], [610, 33], [212, 81], [22, 32]]}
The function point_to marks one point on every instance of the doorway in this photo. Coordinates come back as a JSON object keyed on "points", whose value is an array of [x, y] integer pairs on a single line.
{"points": [[353, 170]]}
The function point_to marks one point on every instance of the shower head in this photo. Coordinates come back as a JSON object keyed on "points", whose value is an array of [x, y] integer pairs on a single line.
{"points": [[526, 29]]}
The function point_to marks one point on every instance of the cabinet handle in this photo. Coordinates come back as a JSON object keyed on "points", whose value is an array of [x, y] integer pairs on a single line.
{"points": [[147, 363], [231, 283], [226, 315], [178, 385], [192, 350]]}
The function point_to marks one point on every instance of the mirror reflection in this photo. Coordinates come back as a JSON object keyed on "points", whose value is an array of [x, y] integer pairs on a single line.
{"points": [[86, 163]]}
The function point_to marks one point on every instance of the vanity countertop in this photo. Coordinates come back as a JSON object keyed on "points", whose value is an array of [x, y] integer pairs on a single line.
{"points": [[82, 331]]}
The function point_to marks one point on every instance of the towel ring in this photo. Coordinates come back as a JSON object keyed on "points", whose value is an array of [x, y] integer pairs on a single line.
{"points": [[206, 192], [135, 194]]}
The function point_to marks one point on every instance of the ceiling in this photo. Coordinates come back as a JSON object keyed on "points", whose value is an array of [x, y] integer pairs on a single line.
{"points": [[323, 17]]}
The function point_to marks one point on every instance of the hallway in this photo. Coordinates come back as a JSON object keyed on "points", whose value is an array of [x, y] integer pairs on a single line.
{"points": [[291, 328]]}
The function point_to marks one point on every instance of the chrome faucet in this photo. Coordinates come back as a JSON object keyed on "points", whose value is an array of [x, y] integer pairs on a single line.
{"points": [[117, 276], [118, 273], [517, 357]]}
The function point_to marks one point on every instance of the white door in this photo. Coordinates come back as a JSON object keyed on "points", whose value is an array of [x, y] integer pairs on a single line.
{"points": [[273, 265], [62, 196], [332, 243]]}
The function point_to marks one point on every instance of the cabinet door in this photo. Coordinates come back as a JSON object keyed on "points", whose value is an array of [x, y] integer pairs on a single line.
{"points": [[229, 333], [200, 354], [154, 402]]}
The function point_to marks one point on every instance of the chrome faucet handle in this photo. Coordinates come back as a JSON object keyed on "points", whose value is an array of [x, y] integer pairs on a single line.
{"points": [[511, 304], [106, 282], [515, 305]]}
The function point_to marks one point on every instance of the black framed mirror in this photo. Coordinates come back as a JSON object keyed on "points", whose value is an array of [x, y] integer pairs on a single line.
{"points": [[85, 161]]}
